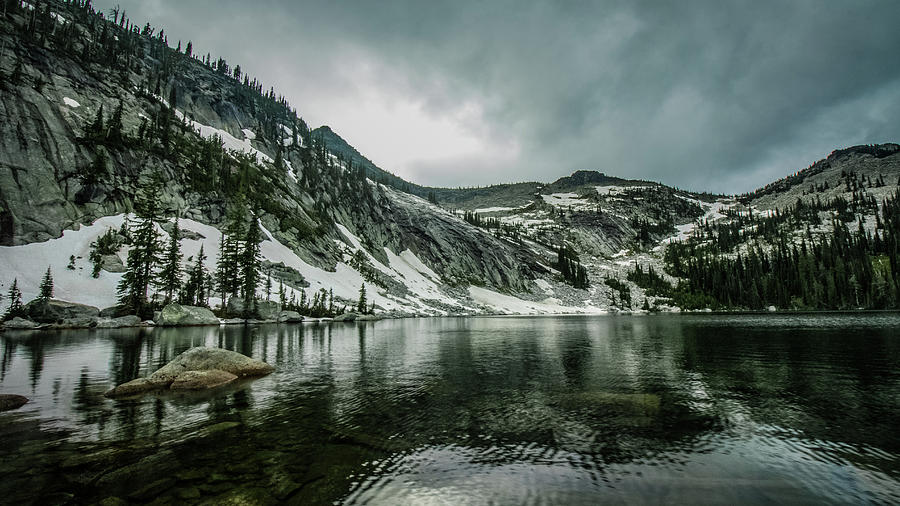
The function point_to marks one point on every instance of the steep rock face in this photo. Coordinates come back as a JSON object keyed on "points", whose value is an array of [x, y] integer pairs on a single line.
{"points": [[46, 149]]}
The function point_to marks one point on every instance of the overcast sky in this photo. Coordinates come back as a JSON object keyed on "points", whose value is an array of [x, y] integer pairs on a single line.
{"points": [[707, 95]]}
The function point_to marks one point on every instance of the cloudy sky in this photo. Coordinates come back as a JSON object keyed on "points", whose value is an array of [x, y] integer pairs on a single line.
{"points": [[715, 95]]}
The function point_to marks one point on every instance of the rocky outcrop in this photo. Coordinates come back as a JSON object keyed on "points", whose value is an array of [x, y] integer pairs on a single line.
{"points": [[112, 263], [289, 317], [177, 314], [10, 401], [346, 317], [120, 322], [19, 324], [219, 367], [264, 310], [57, 311]]}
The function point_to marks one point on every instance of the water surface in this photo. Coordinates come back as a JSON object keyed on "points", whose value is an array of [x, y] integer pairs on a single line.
{"points": [[531, 410]]}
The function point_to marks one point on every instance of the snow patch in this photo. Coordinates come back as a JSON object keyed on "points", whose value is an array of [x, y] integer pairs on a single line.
{"points": [[71, 102]]}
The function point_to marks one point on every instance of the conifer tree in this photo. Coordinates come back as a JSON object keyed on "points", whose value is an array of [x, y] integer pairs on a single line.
{"points": [[144, 252], [194, 293], [95, 131], [228, 267], [46, 290], [250, 265], [15, 301], [268, 285], [170, 274], [363, 304], [114, 129]]}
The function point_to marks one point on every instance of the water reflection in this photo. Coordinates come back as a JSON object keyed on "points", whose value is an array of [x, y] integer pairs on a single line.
{"points": [[462, 410]]}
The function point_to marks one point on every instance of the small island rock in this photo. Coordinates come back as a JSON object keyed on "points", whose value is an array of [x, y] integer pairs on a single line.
{"points": [[187, 372], [10, 401], [200, 380]]}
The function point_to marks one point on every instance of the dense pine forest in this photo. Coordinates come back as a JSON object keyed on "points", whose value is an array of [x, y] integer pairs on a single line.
{"points": [[756, 261]]}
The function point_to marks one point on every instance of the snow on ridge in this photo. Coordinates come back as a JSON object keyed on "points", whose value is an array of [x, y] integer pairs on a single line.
{"points": [[228, 141], [508, 304], [28, 263], [495, 209]]}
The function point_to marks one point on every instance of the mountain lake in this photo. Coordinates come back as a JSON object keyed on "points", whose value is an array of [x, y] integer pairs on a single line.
{"points": [[644, 409]]}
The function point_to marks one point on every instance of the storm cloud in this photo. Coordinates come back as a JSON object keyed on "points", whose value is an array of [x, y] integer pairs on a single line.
{"points": [[708, 95]]}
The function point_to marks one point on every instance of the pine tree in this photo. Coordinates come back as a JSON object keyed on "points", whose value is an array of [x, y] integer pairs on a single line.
{"points": [[228, 267], [15, 301], [250, 265], [282, 297], [114, 129], [363, 304], [46, 290], [144, 252], [169, 276], [194, 293], [95, 131], [268, 285]]}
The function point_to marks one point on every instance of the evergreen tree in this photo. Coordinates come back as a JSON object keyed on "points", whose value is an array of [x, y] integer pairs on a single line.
{"points": [[228, 267], [363, 303], [95, 131], [46, 290], [194, 293], [144, 252], [169, 276], [268, 285], [15, 301], [250, 265], [114, 129]]}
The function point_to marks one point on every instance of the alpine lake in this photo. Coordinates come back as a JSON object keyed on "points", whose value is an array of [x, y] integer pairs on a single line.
{"points": [[644, 409]]}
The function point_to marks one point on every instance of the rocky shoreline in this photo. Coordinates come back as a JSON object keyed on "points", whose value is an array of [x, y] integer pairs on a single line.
{"points": [[53, 314]]}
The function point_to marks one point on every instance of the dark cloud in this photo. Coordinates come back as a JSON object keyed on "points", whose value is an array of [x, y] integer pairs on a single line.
{"points": [[712, 95]]}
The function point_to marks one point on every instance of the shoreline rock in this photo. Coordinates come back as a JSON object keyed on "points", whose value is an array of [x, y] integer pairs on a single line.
{"points": [[179, 315]]}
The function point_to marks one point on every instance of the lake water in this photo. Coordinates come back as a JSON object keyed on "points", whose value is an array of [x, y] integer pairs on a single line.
{"points": [[533, 410]]}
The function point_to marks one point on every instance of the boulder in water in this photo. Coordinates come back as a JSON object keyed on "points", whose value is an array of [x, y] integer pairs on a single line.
{"points": [[177, 314], [10, 401], [222, 367]]}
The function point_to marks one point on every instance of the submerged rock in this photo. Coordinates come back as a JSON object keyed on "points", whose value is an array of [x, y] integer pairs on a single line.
{"points": [[197, 368], [177, 314], [54, 311], [10, 401]]}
